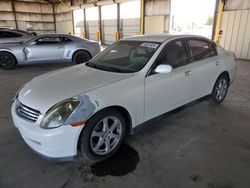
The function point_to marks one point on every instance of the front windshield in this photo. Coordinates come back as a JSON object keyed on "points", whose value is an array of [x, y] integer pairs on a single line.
{"points": [[125, 56]]}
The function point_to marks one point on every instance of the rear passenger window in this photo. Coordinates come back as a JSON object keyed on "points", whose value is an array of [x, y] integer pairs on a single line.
{"points": [[66, 40], [199, 49]]}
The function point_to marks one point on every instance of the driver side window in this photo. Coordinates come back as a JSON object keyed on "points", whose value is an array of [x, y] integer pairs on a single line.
{"points": [[174, 54]]}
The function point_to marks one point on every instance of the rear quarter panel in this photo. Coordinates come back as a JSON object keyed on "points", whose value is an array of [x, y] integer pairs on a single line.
{"points": [[91, 47], [228, 62]]}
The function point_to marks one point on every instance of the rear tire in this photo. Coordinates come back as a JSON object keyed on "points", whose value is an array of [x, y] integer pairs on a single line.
{"points": [[220, 89], [7, 61], [81, 57], [103, 135]]}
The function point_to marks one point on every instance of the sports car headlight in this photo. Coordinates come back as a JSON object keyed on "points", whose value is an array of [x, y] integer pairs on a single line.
{"points": [[56, 116]]}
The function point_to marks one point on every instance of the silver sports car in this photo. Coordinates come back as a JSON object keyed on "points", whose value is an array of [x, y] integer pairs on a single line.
{"points": [[48, 48]]}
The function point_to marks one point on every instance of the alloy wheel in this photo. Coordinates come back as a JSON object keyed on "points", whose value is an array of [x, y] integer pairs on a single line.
{"points": [[106, 135]]}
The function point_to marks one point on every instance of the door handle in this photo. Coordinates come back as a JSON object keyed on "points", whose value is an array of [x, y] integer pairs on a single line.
{"points": [[187, 73], [217, 63], [59, 47]]}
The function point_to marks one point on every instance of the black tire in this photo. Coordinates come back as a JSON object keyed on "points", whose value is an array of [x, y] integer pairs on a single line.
{"points": [[81, 57], [220, 89], [86, 139], [7, 61]]}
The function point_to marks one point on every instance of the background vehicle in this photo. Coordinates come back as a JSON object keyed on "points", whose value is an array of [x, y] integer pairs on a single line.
{"points": [[8, 35], [127, 84], [48, 48]]}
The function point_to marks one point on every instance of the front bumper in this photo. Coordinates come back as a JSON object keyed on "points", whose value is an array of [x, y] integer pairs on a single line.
{"points": [[59, 143]]}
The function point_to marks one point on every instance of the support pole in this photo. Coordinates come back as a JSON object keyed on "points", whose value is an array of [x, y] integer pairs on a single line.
{"points": [[100, 24], [117, 35], [14, 12], [217, 20], [142, 16], [54, 16], [85, 24]]}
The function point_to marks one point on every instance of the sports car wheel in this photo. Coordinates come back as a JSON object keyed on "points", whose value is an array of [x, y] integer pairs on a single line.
{"points": [[102, 135], [220, 89], [81, 57], [7, 60]]}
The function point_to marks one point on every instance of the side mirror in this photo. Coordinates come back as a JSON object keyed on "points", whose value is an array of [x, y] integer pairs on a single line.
{"points": [[164, 68]]}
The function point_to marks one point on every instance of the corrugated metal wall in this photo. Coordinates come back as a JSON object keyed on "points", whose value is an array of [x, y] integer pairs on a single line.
{"points": [[30, 15], [235, 26]]}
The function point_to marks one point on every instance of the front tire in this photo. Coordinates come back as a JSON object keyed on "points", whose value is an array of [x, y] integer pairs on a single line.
{"points": [[7, 60], [81, 57], [220, 89], [103, 135]]}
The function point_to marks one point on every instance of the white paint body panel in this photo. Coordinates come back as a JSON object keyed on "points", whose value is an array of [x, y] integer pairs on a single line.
{"points": [[144, 97]]}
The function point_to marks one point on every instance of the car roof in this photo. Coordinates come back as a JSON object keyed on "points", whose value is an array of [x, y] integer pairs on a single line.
{"points": [[161, 37], [59, 35]]}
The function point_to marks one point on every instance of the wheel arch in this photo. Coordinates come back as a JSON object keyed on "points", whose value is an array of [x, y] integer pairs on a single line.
{"points": [[81, 49], [226, 73], [10, 52], [122, 110]]}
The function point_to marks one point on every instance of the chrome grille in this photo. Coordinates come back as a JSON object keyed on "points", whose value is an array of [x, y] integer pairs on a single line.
{"points": [[26, 112]]}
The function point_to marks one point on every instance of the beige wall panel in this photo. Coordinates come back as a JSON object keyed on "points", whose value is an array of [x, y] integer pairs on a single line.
{"points": [[245, 46], [241, 35], [46, 8], [224, 22], [229, 29], [62, 7], [34, 1], [34, 17], [237, 5], [154, 24], [64, 27], [64, 17], [4, 16], [235, 31], [5, 6], [157, 7], [27, 7], [8, 23]]}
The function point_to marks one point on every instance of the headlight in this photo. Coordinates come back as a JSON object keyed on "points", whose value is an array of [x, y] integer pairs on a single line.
{"points": [[56, 116]]}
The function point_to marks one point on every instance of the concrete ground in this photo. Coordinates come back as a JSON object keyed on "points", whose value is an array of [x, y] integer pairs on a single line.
{"points": [[203, 146]]}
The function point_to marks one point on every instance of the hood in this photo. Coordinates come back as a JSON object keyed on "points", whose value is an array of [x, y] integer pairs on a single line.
{"points": [[46, 90]]}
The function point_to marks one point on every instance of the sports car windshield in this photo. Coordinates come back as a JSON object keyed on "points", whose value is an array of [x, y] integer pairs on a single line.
{"points": [[125, 56]]}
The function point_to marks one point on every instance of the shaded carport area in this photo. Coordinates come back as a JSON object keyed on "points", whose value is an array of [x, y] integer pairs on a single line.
{"points": [[199, 146]]}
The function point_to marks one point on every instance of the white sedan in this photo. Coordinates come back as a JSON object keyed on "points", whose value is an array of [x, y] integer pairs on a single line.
{"points": [[91, 107]]}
